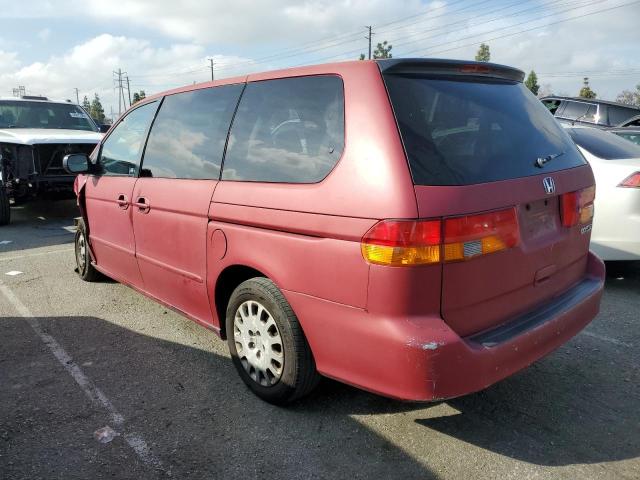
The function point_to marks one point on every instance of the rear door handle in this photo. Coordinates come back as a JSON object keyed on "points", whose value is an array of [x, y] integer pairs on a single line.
{"points": [[143, 205], [122, 201]]}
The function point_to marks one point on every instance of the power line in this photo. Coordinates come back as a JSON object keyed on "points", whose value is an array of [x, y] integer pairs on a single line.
{"points": [[463, 38], [303, 51], [538, 27]]}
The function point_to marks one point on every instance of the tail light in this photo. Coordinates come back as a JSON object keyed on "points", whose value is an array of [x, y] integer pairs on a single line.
{"points": [[421, 242], [400, 242], [467, 237], [632, 181], [577, 207]]}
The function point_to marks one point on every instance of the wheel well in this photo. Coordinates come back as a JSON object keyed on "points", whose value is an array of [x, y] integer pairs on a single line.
{"points": [[227, 282]]}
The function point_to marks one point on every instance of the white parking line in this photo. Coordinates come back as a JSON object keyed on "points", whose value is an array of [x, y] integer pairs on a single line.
{"points": [[134, 440]]}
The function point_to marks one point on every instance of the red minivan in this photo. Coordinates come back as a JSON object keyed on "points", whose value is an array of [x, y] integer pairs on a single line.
{"points": [[416, 228]]}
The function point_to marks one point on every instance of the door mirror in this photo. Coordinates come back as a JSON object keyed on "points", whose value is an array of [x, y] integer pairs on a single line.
{"points": [[104, 128], [76, 163]]}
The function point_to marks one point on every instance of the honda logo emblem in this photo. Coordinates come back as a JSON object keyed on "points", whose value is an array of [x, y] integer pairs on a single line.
{"points": [[549, 185]]}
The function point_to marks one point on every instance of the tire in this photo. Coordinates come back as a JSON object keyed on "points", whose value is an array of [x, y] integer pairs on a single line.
{"points": [[262, 332], [5, 210], [86, 271]]}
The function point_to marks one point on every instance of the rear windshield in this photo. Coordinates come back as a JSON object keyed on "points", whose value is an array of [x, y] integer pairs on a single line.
{"points": [[603, 144], [467, 131]]}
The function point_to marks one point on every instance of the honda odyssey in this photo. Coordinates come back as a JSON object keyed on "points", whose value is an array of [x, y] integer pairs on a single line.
{"points": [[416, 228]]}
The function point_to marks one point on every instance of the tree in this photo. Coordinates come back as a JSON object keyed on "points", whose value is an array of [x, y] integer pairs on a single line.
{"points": [[96, 111], [86, 104], [585, 91], [629, 97], [483, 55], [532, 83], [137, 96], [383, 50]]}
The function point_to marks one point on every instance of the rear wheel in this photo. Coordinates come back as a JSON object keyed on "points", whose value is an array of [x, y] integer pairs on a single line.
{"points": [[267, 344], [5, 210], [85, 270]]}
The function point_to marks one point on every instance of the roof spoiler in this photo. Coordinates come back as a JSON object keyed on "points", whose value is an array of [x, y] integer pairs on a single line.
{"points": [[449, 67]]}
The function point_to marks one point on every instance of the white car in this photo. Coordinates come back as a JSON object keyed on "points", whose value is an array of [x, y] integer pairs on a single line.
{"points": [[35, 135], [616, 166]]}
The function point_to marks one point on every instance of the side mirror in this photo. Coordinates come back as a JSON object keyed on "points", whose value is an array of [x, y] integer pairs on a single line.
{"points": [[76, 163], [104, 128]]}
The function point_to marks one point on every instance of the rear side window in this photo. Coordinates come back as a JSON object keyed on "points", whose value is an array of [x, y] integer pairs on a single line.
{"points": [[584, 112], [617, 115], [287, 130], [188, 135], [632, 137], [466, 131], [603, 144]]}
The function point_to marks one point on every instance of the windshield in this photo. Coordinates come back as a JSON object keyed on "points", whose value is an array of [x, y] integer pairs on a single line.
{"points": [[463, 131], [23, 114], [603, 144]]}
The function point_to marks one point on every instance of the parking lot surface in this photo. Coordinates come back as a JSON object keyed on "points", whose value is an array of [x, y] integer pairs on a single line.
{"points": [[77, 357]]}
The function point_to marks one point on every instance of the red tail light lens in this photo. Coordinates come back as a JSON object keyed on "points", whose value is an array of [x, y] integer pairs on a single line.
{"points": [[577, 207], [420, 242], [632, 181], [403, 243], [473, 235]]}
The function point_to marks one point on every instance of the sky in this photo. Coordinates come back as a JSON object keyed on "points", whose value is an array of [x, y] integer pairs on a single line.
{"points": [[53, 47]]}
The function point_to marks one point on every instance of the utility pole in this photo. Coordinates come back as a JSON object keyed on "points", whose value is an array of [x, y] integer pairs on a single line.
{"points": [[122, 102], [211, 67], [128, 90], [77, 96], [368, 37]]}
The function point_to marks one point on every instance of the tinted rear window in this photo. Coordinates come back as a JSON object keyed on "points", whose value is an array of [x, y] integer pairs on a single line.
{"points": [[189, 133], [603, 144], [287, 130], [461, 132]]}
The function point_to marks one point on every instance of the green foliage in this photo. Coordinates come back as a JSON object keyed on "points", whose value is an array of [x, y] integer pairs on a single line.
{"points": [[630, 97], [585, 91], [383, 50], [532, 83], [96, 111], [483, 55], [86, 104], [137, 96]]}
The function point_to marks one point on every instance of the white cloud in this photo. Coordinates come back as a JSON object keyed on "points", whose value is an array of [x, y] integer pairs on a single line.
{"points": [[44, 34], [89, 67]]}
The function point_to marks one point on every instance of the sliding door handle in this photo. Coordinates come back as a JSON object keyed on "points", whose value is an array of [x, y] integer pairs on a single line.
{"points": [[142, 204]]}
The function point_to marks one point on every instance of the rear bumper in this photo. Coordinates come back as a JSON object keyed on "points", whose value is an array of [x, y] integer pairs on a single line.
{"points": [[422, 359]]}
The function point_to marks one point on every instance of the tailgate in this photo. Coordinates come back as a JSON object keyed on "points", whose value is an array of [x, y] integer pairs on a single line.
{"points": [[487, 290]]}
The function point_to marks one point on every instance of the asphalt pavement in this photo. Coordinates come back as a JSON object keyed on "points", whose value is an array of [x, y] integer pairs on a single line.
{"points": [[97, 381]]}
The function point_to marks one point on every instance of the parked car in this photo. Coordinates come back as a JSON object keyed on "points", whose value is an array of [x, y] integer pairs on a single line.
{"points": [[616, 167], [35, 134], [594, 112], [631, 122], [628, 133], [415, 228]]}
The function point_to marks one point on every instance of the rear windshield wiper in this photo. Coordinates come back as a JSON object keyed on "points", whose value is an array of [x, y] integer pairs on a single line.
{"points": [[540, 161]]}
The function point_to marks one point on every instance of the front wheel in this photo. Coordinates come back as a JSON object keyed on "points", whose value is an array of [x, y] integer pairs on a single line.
{"points": [[267, 344], [85, 269]]}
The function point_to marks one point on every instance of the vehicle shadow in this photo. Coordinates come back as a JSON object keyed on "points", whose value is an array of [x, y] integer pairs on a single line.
{"points": [[40, 223], [189, 405], [577, 406]]}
